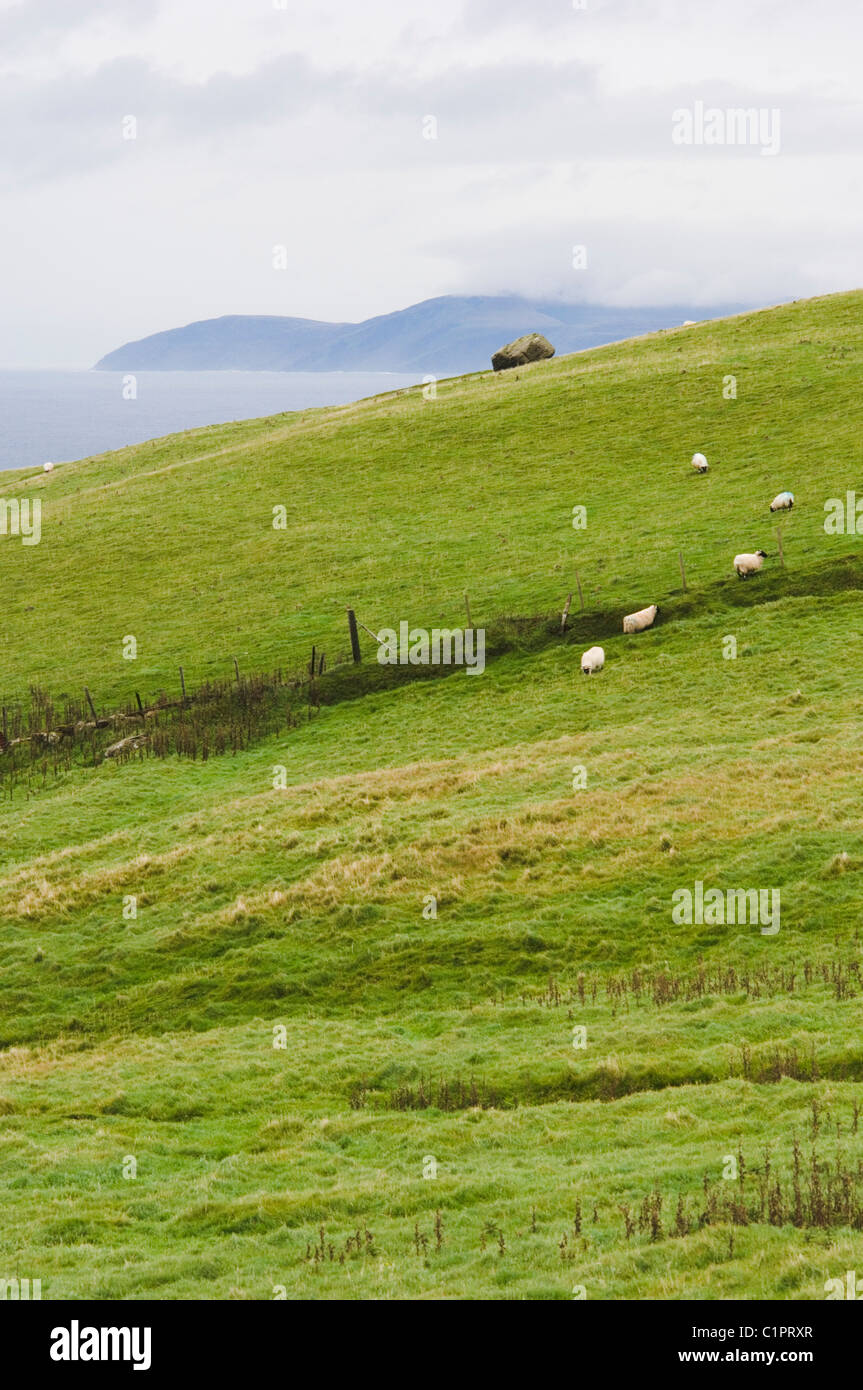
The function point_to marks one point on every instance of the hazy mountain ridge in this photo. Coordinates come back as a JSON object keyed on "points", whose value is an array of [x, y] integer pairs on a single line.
{"points": [[445, 336]]}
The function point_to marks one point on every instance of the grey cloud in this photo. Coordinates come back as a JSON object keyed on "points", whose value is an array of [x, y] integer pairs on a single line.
{"points": [[73, 125], [638, 261], [528, 110], [27, 25]]}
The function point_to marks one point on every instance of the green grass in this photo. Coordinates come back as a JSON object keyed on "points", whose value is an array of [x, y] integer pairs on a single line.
{"points": [[301, 909], [399, 504]]}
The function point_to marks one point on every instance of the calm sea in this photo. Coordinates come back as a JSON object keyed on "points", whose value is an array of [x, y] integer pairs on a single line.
{"points": [[59, 416]]}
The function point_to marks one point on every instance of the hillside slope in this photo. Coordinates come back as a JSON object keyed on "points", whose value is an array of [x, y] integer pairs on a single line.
{"points": [[327, 1088], [400, 503]]}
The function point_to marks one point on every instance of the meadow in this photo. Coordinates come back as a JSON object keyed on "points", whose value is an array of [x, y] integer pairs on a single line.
{"points": [[305, 1019]]}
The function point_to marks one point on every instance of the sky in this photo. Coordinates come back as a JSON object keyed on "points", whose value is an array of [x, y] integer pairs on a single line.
{"points": [[163, 161]]}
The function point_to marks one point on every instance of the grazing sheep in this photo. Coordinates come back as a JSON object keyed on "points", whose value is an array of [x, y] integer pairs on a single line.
{"points": [[637, 622], [592, 660], [688, 323], [48, 467], [699, 463], [783, 501], [749, 564]]}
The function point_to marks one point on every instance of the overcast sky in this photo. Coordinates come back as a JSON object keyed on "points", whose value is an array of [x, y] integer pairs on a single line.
{"points": [[304, 125]]}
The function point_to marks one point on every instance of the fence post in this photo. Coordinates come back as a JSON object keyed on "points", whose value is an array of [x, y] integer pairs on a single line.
{"points": [[183, 684], [237, 670], [565, 614], [355, 636], [90, 703]]}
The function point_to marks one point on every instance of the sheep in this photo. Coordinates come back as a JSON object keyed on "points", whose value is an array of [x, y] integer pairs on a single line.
{"points": [[699, 463], [749, 564], [783, 501], [637, 622], [592, 660], [688, 323], [48, 467]]}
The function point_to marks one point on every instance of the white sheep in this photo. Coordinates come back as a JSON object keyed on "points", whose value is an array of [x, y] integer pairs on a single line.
{"points": [[688, 323], [749, 564], [637, 622], [783, 501], [592, 660], [48, 467], [699, 463]]}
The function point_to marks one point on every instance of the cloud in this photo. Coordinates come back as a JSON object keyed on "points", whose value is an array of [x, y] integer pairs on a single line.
{"points": [[26, 26], [74, 125], [509, 112]]}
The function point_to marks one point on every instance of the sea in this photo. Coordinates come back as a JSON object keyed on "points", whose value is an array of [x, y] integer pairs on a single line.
{"points": [[56, 416]]}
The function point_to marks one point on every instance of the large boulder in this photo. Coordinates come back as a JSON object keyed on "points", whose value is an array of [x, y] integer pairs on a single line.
{"points": [[531, 347]]}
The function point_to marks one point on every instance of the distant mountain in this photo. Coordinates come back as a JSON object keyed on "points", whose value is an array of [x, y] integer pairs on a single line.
{"points": [[443, 336]]}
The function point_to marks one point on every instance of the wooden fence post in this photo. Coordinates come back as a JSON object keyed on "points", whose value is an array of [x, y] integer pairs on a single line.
{"points": [[183, 684], [565, 614], [237, 670], [140, 706], [355, 636], [90, 703], [312, 662]]}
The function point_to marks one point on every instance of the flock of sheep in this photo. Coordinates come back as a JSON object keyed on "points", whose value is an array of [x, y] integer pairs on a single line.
{"points": [[594, 658]]}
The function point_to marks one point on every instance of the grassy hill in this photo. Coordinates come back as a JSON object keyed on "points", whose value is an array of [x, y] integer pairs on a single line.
{"points": [[282, 1039]]}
